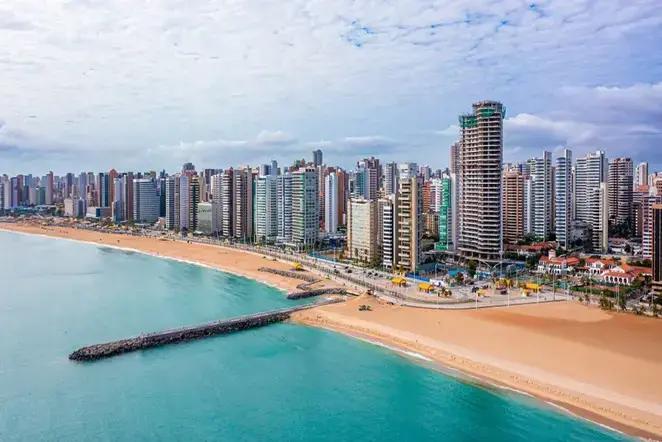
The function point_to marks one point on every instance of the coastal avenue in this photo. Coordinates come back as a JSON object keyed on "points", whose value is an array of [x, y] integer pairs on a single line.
{"points": [[379, 283]]}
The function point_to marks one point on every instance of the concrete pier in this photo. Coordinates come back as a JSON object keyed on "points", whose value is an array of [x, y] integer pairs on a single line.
{"points": [[183, 334]]}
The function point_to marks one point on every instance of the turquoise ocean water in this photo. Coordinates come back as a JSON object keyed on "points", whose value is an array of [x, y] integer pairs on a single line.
{"points": [[283, 382]]}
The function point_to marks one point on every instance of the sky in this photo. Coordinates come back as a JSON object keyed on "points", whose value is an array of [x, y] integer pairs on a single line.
{"points": [[140, 85]]}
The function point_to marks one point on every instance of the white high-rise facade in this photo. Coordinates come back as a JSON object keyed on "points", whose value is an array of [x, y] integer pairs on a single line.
{"points": [[331, 203], [284, 207], [184, 202], [305, 207], [564, 192], [641, 174], [590, 195], [266, 208], [540, 211], [172, 203]]}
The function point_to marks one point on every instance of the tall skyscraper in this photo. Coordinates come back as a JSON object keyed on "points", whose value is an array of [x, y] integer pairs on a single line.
{"points": [[563, 196], [445, 208], [118, 205], [388, 227], [331, 203], [590, 203], [317, 158], [172, 202], [305, 208], [194, 200], [284, 207], [540, 210], [185, 203], [390, 178], [408, 224], [513, 206], [243, 204], [641, 174], [48, 184], [129, 196], [648, 229], [481, 156], [657, 248], [454, 158], [620, 191], [266, 208], [227, 202], [145, 202]]}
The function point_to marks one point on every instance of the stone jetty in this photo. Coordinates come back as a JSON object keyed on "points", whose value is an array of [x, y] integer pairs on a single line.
{"points": [[183, 334]]}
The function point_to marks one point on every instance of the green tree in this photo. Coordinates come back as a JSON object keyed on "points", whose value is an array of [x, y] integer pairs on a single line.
{"points": [[471, 268]]}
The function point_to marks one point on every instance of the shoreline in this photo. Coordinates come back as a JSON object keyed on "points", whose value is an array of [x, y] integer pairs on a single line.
{"points": [[428, 349], [150, 254], [482, 381], [614, 416]]}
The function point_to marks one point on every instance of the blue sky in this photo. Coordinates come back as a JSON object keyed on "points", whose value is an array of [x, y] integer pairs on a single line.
{"points": [[147, 85]]}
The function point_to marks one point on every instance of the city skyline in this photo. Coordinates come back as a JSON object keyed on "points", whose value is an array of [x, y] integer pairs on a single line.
{"points": [[158, 85]]}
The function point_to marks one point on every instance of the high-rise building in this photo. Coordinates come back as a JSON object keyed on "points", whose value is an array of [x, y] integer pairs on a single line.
{"points": [[331, 203], [266, 208], [172, 202], [641, 175], [194, 200], [48, 184], [540, 210], [445, 208], [343, 196], [454, 158], [185, 203], [513, 206], [387, 225], [118, 204], [407, 171], [227, 202], [317, 158], [620, 191], [648, 230], [481, 156], [217, 203], [590, 177], [362, 230], [305, 208], [284, 207], [369, 177], [243, 204], [657, 248], [409, 224], [103, 190], [129, 196], [205, 215], [390, 178], [563, 198], [145, 201]]}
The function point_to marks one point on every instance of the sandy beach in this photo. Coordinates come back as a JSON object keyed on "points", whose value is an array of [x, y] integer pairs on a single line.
{"points": [[600, 365], [222, 258]]}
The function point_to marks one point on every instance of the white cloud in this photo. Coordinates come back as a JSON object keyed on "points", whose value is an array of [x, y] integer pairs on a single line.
{"points": [[110, 78]]}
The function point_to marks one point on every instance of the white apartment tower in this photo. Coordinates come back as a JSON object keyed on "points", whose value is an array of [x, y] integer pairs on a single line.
{"points": [[331, 203], [305, 208], [284, 206], [266, 208], [564, 193], [480, 160], [540, 211]]}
